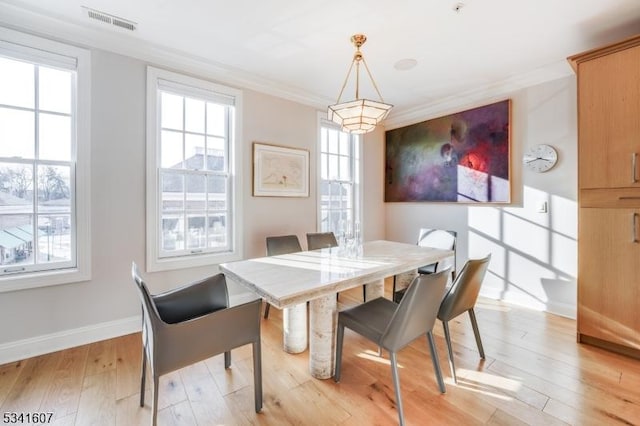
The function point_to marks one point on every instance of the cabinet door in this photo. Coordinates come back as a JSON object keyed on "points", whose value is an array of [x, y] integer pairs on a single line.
{"points": [[609, 275], [609, 120]]}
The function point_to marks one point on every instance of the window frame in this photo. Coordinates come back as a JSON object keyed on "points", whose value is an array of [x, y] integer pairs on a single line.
{"points": [[355, 148], [186, 85], [45, 52]]}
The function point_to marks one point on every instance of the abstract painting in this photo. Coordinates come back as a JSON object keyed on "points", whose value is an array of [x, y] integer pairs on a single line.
{"points": [[279, 171], [460, 158]]}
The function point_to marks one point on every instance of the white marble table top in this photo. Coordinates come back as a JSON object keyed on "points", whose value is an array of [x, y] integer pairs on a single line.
{"points": [[290, 279]]}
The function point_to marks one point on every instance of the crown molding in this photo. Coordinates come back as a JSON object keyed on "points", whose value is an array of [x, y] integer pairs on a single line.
{"points": [[482, 95], [38, 23]]}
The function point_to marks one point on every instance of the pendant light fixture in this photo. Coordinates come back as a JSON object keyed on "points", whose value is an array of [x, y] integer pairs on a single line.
{"points": [[358, 115]]}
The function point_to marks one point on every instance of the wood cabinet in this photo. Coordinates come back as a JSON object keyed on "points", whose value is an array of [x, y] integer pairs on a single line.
{"points": [[609, 111], [609, 274], [609, 196]]}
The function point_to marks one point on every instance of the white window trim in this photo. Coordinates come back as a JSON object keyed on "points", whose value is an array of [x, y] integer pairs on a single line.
{"points": [[323, 121], [154, 262], [10, 39]]}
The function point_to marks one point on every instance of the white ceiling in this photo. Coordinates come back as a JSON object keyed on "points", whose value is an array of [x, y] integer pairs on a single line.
{"points": [[300, 49]]}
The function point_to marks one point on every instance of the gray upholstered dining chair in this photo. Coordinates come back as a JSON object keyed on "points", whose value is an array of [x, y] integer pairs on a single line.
{"points": [[393, 326], [461, 298], [282, 244], [436, 238], [192, 323], [321, 240]]}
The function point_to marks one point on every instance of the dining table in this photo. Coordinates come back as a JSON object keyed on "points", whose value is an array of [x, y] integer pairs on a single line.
{"points": [[289, 281]]}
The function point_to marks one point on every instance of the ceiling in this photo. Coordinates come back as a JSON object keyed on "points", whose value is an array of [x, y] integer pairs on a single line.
{"points": [[300, 49]]}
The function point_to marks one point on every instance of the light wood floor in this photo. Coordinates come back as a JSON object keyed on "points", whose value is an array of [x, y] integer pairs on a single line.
{"points": [[535, 373]]}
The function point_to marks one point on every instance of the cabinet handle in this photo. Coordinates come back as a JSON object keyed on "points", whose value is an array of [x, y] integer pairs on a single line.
{"points": [[628, 198], [634, 167], [634, 228]]}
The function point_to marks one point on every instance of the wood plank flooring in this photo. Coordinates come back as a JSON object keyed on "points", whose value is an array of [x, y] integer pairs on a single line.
{"points": [[535, 373]]}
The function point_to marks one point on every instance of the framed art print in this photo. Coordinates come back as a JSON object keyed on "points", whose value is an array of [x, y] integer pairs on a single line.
{"points": [[279, 171], [461, 158]]}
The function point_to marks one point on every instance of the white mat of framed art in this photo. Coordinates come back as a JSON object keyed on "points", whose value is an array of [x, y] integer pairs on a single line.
{"points": [[280, 171]]}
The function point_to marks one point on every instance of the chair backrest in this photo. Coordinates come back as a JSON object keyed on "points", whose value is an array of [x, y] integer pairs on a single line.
{"points": [[150, 316], [149, 308], [437, 238], [416, 313], [283, 244], [191, 303], [320, 240], [440, 239], [463, 293]]}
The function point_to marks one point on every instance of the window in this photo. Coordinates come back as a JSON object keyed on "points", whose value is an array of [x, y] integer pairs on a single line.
{"points": [[44, 146], [339, 189], [193, 193]]}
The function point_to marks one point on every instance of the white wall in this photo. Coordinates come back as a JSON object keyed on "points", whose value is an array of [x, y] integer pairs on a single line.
{"points": [[534, 255]]}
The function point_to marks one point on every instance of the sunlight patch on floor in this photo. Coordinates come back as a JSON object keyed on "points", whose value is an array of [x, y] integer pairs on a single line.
{"points": [[373, 356], [486, 384], [492, 306]]}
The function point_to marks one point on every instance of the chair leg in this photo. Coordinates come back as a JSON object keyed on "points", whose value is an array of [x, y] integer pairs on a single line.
{"points": [[227, 359], [154, 409], [266, 310], [257, 374], [396, 386], [436, 361], [339, 339], [476, 332], [143, 376], [364, 293], [447, 338]]}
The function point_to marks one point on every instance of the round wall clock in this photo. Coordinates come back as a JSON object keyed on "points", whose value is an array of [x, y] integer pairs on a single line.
{"points": [[540, 158]]}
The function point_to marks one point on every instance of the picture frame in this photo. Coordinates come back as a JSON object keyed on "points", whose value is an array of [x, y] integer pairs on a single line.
{"points": [[463, 157], [280, 171]]}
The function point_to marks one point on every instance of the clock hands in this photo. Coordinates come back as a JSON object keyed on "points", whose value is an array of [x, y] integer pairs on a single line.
{"points": [[536, 159], [540, 158]]}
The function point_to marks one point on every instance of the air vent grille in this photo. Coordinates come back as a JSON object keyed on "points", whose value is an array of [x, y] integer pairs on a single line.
{"points": [[110, 19], [127, 25], [99, 16]]}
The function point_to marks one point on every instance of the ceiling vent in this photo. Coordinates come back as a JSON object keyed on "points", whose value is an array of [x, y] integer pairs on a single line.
{"points": [[110, 19]]}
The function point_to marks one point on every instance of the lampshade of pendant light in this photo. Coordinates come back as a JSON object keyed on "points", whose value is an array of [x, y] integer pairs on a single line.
{"points": [[358, 115]]}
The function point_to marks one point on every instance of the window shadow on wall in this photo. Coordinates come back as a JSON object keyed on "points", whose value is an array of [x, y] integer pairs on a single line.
{"points": [[534, 253]]}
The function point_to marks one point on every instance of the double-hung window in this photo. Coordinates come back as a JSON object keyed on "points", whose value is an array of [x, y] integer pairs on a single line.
{"points": [[339, 183], [193, 189], [44, 157]]}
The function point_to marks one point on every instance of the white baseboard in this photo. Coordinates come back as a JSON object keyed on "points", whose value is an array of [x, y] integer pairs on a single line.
{"points": [[553, 307], [27, 348], [562, 309]]}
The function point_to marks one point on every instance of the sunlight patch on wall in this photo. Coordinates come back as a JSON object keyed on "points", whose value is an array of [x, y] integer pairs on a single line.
{"points": [[563, 254], [528, 274], [534, 251], [486, 219], [527, 237], [563, 216], [480, 246], [532, 198]]}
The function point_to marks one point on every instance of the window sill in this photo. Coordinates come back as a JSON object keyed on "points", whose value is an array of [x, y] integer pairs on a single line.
{"points": [[168, 264], [42, 279]]}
